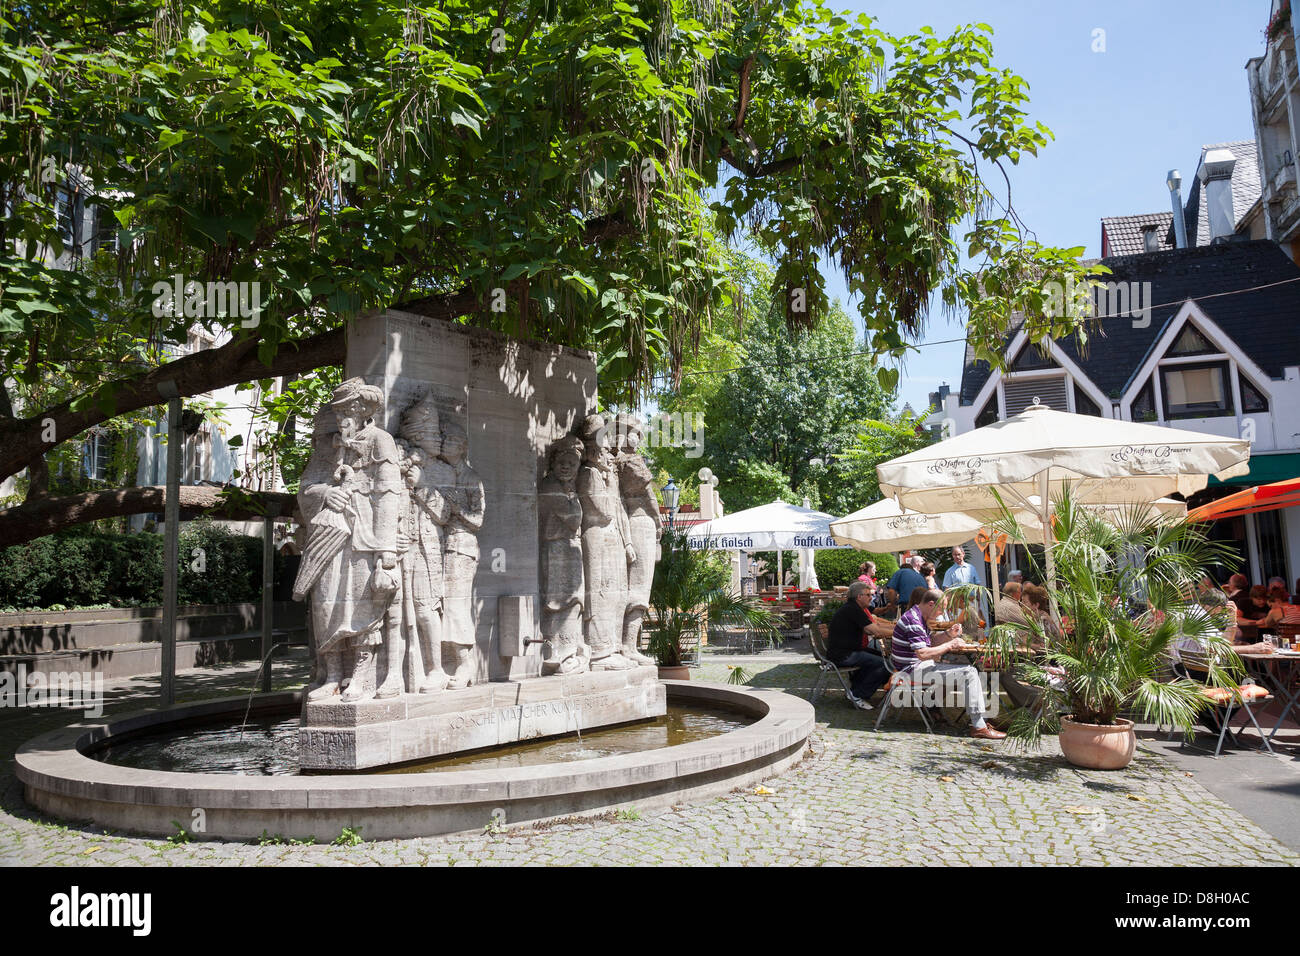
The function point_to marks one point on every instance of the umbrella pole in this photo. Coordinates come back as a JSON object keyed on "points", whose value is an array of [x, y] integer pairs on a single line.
{"points": [[780, 576], [1044, 484]]}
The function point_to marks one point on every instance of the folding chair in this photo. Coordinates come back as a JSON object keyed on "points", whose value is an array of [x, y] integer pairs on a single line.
{"points": [[827, 667], [1225, 699], [901, 681]]}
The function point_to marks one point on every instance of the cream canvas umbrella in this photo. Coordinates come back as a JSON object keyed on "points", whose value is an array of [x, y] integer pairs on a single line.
{"points": [[884, 526], [778, 526], [1040, 451]]}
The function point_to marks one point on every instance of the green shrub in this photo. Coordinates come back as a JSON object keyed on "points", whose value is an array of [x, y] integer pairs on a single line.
{"points": [[126, 570], [840, 566]]}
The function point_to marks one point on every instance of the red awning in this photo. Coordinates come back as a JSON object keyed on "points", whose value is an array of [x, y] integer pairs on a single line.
{"points": [[1280, 494]]}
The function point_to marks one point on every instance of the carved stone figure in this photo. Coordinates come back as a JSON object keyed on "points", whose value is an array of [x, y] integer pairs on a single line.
{"points": [[559, 519], [350, 563], [324, 578], [606, 549], [424, 539], [464, 493], [644, 529]]}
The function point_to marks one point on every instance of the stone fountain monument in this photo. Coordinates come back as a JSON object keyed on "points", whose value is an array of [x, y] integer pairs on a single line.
{"points": [[478, 551]]}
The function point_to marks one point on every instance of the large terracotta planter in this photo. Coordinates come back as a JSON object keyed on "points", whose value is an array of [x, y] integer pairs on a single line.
{"points": [[1097, 746], [677, 672]]}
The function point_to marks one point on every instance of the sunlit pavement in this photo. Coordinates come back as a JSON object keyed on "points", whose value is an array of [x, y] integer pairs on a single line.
{"points": [[900, 796]]}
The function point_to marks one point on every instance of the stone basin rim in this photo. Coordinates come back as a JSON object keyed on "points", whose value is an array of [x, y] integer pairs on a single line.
{"points": [[56, 762]]}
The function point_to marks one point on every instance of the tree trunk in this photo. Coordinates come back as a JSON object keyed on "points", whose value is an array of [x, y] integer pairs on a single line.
{"points": [[35, 519]]}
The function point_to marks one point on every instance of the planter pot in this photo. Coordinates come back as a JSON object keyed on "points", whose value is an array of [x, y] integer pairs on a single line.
{"points": [[1097, 746], [676, 672]]}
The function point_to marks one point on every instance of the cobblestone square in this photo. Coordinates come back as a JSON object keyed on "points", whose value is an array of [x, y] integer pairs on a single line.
{"points": [[897, 797]]}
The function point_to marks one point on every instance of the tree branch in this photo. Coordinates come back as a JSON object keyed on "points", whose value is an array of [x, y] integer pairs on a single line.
{"points": [[36, 519]]}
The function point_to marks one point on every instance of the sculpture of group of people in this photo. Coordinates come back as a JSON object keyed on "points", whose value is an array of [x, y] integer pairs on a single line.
{"points": [[599, 524], [392, 548]]}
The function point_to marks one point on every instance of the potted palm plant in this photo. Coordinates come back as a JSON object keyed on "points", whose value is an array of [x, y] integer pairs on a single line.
{"points": [[689, 592], [1124, 592]]}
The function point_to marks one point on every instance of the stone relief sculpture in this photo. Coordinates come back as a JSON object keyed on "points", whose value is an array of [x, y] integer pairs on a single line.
{"points": [[350, 562], [644, 529], [606, 549], [559, 522], [463, 490], [424, 537]]}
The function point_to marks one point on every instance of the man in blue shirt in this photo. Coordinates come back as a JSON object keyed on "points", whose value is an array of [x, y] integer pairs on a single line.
{"points": [[962, 573], [907, 579]]}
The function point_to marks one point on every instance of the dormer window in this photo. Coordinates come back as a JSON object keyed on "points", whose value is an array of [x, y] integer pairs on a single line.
{"points": [[1150, 239]]}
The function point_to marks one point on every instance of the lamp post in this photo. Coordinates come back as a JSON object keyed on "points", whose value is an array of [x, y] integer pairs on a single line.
{"points": [[671, 496]]}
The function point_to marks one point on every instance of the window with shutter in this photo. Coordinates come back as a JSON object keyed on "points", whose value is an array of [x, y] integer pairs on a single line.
{"points": [[1049, 391]]}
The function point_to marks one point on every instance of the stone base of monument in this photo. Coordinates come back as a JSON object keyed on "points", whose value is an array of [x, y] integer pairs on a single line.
{"points": [[374, 733]]}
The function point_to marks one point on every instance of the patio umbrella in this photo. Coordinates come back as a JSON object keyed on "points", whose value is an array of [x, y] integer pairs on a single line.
{"points": [[884, 526], [1040, 451], [1280, 494], [775, 527]]}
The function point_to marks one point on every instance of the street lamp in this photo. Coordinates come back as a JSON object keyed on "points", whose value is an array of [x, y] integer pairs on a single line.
{"points": [[671, 496]]}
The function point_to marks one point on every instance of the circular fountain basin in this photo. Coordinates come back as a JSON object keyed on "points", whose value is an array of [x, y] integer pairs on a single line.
{"points": [[60, 778]]}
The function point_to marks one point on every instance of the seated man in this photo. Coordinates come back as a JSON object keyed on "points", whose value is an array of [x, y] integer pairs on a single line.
{"points": [[847, 644], [914, 653], [1008, 609]]}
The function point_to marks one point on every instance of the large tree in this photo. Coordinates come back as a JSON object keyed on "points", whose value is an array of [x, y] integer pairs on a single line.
{"points": [[550, 168], [788, 410]]}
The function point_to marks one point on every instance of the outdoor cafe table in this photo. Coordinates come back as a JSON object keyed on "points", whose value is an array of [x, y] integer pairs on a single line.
{"points": [[1278, 668]]}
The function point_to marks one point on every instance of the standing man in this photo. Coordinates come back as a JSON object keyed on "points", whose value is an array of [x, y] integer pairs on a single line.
{"points": [[914, 653], [959, 574], [849, 644]]}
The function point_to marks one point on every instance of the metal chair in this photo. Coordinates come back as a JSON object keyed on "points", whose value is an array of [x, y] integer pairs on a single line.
{"points": [[899, 681], [1225, 699], [827, 667]]}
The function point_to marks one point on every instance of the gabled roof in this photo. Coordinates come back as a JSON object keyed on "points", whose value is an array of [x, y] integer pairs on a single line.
{"points": [[1123, 235], [1264, 323], [1245, 191]]}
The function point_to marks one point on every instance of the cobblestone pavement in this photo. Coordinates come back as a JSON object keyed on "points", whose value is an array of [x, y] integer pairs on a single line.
{"points": [[858, 797]]}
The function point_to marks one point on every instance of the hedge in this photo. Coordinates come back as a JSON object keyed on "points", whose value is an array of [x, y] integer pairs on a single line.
{"points": [[73, 569]]}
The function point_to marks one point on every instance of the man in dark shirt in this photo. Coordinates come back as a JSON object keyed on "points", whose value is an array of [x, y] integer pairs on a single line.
{"points": [[907, 579], [847, 644]]}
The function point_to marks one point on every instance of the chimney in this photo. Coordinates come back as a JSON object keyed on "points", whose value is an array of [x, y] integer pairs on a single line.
{"points": [[1174, 181], [1216, 182]]}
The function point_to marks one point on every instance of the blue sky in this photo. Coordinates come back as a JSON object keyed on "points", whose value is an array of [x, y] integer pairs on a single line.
{"points": [[1171, 79]]}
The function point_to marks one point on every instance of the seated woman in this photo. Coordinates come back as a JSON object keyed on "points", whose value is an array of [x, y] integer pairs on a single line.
{"points": [[1281, 612]]}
